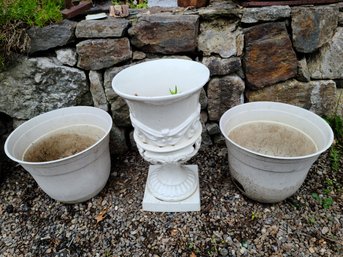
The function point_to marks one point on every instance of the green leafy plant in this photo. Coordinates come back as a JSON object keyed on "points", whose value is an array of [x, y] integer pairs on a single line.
{"points": [[173, 91], [2, 62], [138, 4], [325, 202], [255, 215], [311, 220], [193, 248], [213, 250], [336, 123], [49, 12], [335, 158], [18, 15], [31, 12]]}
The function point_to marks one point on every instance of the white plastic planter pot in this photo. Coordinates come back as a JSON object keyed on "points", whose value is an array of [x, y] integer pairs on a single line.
{"points": [[269, 164], [163, 97], [81, 174]]}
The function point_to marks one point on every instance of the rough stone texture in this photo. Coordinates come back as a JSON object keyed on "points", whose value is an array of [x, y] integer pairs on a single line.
{"points": [[133, 143], [220, 9], [6, 126], [17, 123], [203, 99], [97, 90], [239, 44], [340, 19], [67, 56], [51, 36], [205, 137], [224, 93], [328, 63], [117, 140], [212, 128], [38, 85], [176, 31], [138, 55], [162, 3], [166, 34], [317, 96], [203, 116], [219, 139], [312, 27], [339, 83], [221, 67], [269, 56], [110, 27], [269, 13], [339, 102], [119, 108], [102, 53], [219, 37], [303, 72]]}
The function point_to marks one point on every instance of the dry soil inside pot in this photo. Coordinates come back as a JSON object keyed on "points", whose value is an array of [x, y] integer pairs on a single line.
{"points": [[62, 143], [273, 139]]}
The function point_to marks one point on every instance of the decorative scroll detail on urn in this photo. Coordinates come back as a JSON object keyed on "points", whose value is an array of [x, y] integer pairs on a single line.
{"points": [[176, 156], [167, 137]]}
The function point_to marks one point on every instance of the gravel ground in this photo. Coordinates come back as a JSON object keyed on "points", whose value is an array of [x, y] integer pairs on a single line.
{"points": [[228, 224]]}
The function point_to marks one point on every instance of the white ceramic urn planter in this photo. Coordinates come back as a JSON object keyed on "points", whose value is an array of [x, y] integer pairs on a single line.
{"points": [[79, 175], [167, 128], [271, 147]]}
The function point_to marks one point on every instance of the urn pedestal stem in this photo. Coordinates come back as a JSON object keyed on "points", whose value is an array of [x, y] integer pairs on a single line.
{"points": [[172, 182]]}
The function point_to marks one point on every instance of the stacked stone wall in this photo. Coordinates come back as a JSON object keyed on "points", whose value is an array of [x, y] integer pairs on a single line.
{"points": [[278, 53]]}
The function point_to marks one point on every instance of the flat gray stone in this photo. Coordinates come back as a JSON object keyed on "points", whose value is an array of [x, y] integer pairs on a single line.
{"points": [[318, 96], [162, 3], [96, 54], [268, 13], [97, 90], [165, 33], [37, 85], [312, 27], [224, 93], [219, 37], [221, 67], [110, 27], [119, 108], [51, 36], [203, 99], [205, 137], [212, 128], [328, 62], [117, 140], [303, 72], [67, 56]]}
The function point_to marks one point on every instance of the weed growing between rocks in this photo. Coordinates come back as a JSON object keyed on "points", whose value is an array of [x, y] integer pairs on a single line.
{"points": [[18, 15], [138, 4], [333, 184]]}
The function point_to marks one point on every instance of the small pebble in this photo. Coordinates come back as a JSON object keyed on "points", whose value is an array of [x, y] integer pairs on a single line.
{"points": [[325, 230], [9, 208], [223, 227]]}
